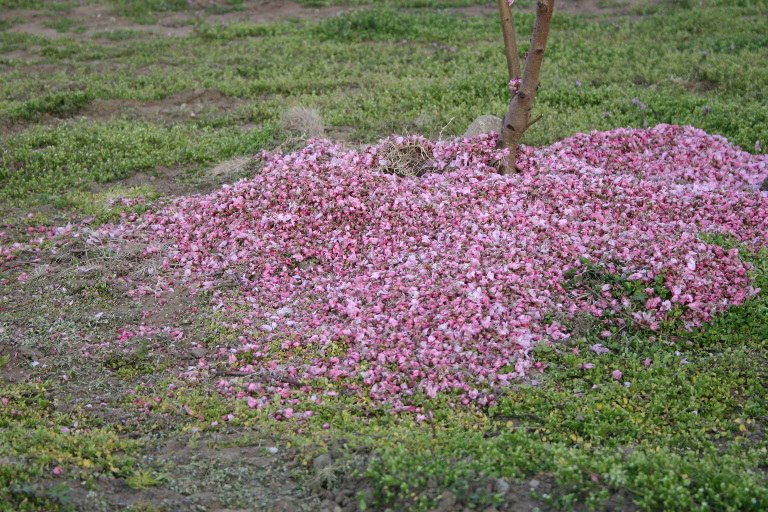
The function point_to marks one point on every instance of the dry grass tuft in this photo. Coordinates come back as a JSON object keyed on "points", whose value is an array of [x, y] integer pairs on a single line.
{"points": [[229, 167], [411, 158], [94, 259], [305, 120]]}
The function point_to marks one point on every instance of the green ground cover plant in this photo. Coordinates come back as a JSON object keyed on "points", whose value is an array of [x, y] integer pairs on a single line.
{"points": [[104, 124]]}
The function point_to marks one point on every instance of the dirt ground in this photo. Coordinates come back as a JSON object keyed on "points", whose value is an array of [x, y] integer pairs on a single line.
{"points": [[222, 472], [99, 18]]}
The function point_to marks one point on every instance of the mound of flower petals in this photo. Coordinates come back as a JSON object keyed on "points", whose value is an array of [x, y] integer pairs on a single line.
{"points": [[352, 278]]}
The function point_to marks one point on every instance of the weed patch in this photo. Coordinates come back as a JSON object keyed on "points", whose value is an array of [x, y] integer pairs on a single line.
{"points": [[230, 362]]}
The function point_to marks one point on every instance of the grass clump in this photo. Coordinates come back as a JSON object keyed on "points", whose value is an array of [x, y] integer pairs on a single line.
{"points": [[120, 34], [147, 11], [64, 24], [57, 103], [39, 443], [47, 161], [683, 428]]}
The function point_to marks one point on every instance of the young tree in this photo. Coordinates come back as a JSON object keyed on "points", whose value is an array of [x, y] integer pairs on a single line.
{"points": [[518, 117]]}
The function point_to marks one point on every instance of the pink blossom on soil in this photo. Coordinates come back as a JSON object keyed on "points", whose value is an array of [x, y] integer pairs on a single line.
{"points": [[443, 283], [392, 287]]}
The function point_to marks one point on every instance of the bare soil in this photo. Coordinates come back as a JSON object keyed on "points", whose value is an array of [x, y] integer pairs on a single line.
{"points": [[101, 18], [587, 7], [178, 107], [598, 7], [217, 472]]}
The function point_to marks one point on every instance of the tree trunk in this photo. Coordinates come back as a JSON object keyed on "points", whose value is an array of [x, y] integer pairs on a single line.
{"points": [[510, 42], [517, 119]]}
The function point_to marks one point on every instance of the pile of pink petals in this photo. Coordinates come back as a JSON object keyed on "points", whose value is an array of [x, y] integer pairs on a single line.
{"points": [[387, 287]]}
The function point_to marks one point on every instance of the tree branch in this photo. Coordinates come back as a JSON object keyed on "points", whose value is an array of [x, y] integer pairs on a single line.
{"points": [[510, 42], [541, 116]]}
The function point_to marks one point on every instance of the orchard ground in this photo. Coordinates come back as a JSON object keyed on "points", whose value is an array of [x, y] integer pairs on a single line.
{"points": [[114, 393]]}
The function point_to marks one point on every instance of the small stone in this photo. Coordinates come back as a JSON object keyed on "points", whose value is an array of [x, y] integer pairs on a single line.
{"points": [[285, 505], [447, 502], [483, 124], [328, 506], [500, 486], [272, 449], [198, 352], [534, 483], [321, 462]]}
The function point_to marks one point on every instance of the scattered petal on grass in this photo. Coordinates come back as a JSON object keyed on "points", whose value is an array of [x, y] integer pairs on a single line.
{"points": [[393, 288]]}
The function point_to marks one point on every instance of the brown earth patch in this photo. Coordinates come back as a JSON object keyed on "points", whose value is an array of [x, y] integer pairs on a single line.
{"points": [[167, 182], [271, 11], [588, 7], [229, 167], [176, 181], [95, 18], [180, 106], [16, 362], [612, 7], [697, 87], [16, 54], [91, 19]]}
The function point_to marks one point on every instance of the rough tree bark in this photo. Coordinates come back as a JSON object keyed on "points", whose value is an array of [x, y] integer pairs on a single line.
{"points": [[518, 117], [510, 43]]}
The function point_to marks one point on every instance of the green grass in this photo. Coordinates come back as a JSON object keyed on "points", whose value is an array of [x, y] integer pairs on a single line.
{"points": [[64, 24], [379, 71], [44, 162], [687, 433], [147, 11], [120, 34], [7, 23], [54, 5], [36, 436], [684, 432]]}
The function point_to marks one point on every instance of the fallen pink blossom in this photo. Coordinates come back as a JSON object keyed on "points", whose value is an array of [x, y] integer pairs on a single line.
{"points": [[390, 287]]}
